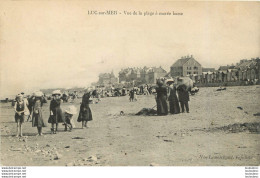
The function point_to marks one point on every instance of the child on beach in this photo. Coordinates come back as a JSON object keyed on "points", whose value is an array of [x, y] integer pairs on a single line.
{"points": [[85, 113], [20, 111], [37, 118], [56, 115], [68, 115]]}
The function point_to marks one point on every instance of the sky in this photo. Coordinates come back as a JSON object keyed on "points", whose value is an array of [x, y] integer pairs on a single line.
{"points": [[46, 44]]}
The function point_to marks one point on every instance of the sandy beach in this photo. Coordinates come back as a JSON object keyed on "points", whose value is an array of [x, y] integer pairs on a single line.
{"points": [[220, 130]]}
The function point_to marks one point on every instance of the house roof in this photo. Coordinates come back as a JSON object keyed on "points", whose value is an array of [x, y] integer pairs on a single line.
{"points": [[157, 70], [244, 65], [222, 68], [180, 62]]}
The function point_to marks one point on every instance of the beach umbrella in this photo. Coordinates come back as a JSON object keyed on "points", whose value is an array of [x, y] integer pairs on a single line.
{"points": [[71, 110], [185, 81]]}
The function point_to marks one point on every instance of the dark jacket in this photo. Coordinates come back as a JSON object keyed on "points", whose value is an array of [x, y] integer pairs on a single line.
{"points": [[161, 100], [57, 112], [85, 113], [183, 94]]}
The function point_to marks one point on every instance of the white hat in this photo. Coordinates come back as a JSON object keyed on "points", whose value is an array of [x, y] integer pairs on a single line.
{"points": [[56, 92], [71, 110], [38, 94], [169, 80], [19, 95]]}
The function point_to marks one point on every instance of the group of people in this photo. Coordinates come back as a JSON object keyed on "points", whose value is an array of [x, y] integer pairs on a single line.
{"points": [[167, 91], [33, 109]]}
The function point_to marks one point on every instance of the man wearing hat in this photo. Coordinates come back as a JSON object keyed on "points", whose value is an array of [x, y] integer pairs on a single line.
{"points": [[183, 97]]}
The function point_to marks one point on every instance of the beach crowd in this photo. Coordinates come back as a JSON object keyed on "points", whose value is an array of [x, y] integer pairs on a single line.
{"points": [[170, 99]]}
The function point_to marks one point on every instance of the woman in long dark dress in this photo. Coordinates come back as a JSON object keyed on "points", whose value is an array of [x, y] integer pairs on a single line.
{"points": [[56, 115], [173, 99], [85, 114], [161, 99], [37, 119]]}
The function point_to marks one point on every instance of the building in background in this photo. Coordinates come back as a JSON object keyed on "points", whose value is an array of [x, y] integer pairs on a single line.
{"points": [[107, 79], [155, 73], [208, 69], [186, 66], [145, 75]]}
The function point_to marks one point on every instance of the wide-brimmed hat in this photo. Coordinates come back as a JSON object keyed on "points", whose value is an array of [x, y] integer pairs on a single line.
{"points": [[19, 96], [56, 92], [38, 94], [169, 81], [71, 110]]}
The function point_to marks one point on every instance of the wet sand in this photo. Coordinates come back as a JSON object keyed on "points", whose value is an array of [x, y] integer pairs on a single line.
{"points": [[214, 133]]}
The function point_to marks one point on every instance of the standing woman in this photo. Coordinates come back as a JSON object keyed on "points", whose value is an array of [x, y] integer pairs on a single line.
{"points": [[161, 99], [56, 115], [37, 119], [85, 114], [173, 99]]}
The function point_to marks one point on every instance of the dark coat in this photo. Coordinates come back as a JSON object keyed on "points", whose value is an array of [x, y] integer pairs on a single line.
{"points": [[161, 100], [183, 94], [172, 94], [57, 112], [85, 113], [173, 101], [37, 118]]}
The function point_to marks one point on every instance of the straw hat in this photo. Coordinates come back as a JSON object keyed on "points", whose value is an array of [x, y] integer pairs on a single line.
{"points": [[38, 94], [71, 110], [56, 92], [19, 96], [168, 81]]}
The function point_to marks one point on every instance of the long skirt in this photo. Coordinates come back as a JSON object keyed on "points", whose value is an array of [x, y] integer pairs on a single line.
{"points": [[174, 107], [37, 120], [162, 107], [85, 115]]}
